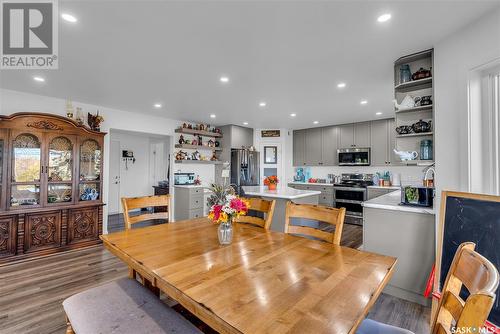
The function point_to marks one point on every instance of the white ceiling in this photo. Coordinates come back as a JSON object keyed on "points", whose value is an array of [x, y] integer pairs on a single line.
{"points": [[130, 54]]}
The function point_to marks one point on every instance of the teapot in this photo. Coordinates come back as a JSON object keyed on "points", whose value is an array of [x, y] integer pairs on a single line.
{"points": [[406, 155], [407, 103]]}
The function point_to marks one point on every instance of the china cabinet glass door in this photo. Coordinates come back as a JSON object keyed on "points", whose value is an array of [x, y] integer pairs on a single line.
{"points": [[60, 170], [89, 187], [26, 170]]}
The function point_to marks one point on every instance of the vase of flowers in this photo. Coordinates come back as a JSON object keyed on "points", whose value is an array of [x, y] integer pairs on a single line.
{"points": [[271, 182], [225, 206]]}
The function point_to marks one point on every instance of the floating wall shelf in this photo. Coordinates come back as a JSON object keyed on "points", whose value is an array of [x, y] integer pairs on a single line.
{"points": [[198, 132]]}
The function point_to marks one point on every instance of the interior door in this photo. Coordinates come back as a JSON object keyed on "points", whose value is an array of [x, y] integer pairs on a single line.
{"points": [[114, 177]]}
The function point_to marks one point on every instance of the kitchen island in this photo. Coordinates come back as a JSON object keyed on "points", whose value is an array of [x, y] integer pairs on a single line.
{"points": [[405, 232], [282, 195]]}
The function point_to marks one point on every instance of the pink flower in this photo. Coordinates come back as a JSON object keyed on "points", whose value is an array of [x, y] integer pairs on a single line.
{"points": [[238, 205], [217, 210]]}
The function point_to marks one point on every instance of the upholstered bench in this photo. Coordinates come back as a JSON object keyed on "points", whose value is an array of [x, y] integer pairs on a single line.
{"points": [[123, 306]]}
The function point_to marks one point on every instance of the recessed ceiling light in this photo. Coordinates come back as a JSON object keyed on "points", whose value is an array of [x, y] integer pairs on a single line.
{"points": [[245, 123], [68, 17], [378, 113], [341, 85], [262, 104], [315, 122], [293, 115], [212, 115], [157, 105], [384, 17], [39, 79], [224, 79], [363, 102]]}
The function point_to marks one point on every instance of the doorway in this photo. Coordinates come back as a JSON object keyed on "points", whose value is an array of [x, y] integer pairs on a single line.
{"points": [[138, 162]]}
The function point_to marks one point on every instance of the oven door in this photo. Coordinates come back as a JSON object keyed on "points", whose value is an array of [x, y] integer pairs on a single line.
{"points": [[354, 157], [351, 199]]}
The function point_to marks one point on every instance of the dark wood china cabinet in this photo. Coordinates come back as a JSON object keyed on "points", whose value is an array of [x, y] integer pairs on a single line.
{"points": [[50, 185]]}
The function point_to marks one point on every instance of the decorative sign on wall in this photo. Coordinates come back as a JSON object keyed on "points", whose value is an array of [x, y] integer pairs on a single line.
{"points": [[270, 133]]}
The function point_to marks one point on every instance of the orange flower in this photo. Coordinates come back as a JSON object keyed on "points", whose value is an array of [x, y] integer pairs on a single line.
{"points": [[273, 179]]}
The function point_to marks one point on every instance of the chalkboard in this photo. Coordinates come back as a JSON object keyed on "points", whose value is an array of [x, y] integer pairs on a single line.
{"points": [[474, 218]]}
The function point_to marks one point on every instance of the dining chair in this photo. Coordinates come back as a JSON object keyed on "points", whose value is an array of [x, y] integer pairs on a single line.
{"points": [[316, 213], [146, 202], [469, 270], [259, 205], [135, 203]]}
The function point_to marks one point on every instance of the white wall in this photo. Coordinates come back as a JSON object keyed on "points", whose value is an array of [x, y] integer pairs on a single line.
{"points": [[454, 59], [14, 101]]}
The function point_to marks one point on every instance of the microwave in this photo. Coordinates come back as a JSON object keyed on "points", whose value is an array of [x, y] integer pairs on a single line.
{"points": [[354, 156], [183, 178], [417, 196]]}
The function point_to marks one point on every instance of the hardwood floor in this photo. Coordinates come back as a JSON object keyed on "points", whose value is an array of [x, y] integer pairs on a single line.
{"points": [[31, 292]]}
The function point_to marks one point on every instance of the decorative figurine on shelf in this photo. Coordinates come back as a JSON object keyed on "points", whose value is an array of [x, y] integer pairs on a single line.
{"points": [[181, 140], [211, 143], [69, 109], [187, 142], [95, 121], [79, 118], [197, 181], [195, 155], [202, 127], [195, 142], [214, 157], [200, 140], [217, 143], [184, 126], [181, 155]]}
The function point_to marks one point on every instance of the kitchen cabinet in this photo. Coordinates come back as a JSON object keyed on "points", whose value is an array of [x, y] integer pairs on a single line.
{"points": [[382, 142], [313, 147], [346, 136], [362, 134], [329, 146], [326, 197], [188, 202], [355, 135], [299, 147]]}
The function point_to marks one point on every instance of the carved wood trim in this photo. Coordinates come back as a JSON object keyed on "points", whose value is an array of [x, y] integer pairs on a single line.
{"points": [[43, 125]]}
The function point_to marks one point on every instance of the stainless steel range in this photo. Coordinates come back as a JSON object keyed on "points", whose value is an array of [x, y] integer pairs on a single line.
{"points": [[350, 193]]}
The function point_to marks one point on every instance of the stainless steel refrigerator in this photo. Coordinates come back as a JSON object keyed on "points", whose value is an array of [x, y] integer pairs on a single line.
{"points": [[245, 169]]}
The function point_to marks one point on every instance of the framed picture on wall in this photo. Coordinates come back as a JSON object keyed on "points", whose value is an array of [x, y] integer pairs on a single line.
{"points": [[270, 155]]}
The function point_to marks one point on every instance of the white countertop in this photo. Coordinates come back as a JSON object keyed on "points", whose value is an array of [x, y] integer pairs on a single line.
{"points": [[189, 186], [311, 184], [385, 187], [392, 200], [281, 192]]}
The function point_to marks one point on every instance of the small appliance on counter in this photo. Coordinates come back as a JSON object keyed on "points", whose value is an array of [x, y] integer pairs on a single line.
{"points": [[299, 175], [417, 196], [184, 179]]}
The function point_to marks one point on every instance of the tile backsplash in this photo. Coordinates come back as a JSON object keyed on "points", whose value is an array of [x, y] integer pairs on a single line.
{"points": [[409, 174]]}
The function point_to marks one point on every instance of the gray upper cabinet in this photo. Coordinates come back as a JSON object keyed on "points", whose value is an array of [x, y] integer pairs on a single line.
{"points": [[299, 147], [329, 146], [382, 142], [362, 134], [313, 147], [346, 136], [379, 143]]}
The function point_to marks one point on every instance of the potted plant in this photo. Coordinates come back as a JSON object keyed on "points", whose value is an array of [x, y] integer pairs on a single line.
{"points": [[225, 206], [271, 182]]}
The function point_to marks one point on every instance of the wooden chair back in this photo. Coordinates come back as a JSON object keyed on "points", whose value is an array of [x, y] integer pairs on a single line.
{"points": [[260, 205], [480, 277], [323, 214], [134, 203]]}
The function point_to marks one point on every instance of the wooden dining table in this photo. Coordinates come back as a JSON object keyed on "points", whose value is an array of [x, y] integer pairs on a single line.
{"points": [[264, 282]]}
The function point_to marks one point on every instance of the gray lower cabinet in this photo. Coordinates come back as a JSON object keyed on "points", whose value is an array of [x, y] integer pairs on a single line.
{"points": [[326, 196], [188, 202], [299, 147]]}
